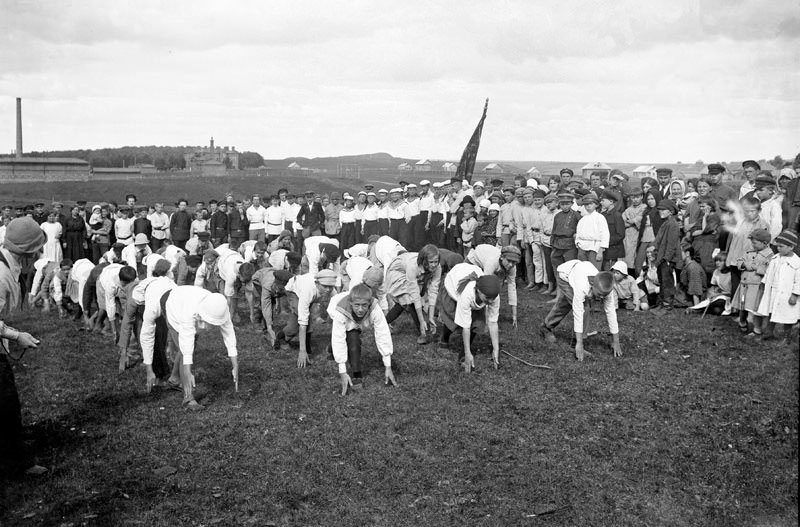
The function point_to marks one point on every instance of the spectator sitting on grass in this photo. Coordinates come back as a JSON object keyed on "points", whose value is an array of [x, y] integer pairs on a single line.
{"points": [[629, 294], [578, 282], [352, 312]]}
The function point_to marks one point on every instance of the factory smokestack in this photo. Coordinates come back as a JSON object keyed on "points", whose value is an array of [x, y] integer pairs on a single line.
{"points": [[19, 128]]}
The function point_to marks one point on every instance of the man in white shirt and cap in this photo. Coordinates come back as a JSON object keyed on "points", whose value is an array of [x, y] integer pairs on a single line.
{"points": [[133, 255], [501, 262], [188, 309], [320, 252], [302, 292], [352, 312], [579, 281], [110, 284]]}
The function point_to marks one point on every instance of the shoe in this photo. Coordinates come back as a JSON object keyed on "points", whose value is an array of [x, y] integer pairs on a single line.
{"points": [[423, 339], [443, 346], [358, 383], [551, 290], [547, 335]]}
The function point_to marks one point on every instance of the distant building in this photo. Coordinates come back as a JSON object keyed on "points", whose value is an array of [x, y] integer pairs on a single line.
{"points": [[450, 167], [206, 160], [294, 165], [588, 168], [423, 165], [533, 171], [494, 168], [404, 167], [40, 169], [644, 171]]}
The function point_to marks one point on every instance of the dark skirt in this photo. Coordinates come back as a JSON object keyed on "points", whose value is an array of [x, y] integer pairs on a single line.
{"points": [[347, 236], [435, 234], [359, 237], [370, 228], [447, 313], [383, 226]]}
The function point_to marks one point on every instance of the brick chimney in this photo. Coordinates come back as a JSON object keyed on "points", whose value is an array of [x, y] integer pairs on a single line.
{"points": [[19, 128]]}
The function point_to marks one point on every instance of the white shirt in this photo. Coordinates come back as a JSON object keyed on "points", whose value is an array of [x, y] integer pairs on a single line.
{"points": [[160, 224], [347, 216], [256, 216], [426, 203], [592, 232], [343, 321], [359, 249], [354, 269], [108, 283], [385, 250], [772, 214], [182, 316], [305, 287], [274, 217], [312, 252], [577, 274], [466, 300], [228, 265], [129, 254], [487, 257], [38, 277], [123, 230], [371, 213], [277, 260], [80, 273], [397, 212]]}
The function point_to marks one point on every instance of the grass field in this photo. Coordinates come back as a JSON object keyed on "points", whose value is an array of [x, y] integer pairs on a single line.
{"points": [[693, 426]]}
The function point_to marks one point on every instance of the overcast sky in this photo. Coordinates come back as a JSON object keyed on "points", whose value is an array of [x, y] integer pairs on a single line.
{"points": [[657, 81]]}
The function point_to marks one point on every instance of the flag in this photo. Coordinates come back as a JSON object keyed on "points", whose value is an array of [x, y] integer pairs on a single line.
{"points": [[467, 164]]}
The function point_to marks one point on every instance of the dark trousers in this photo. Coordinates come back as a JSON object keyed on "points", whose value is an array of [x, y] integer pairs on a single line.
{"points": [[98, 250], [667, 280], [559, 256], [354, 351], [563, 304], [398, 309], [447, 332], [155, 244], [11, 452], [180, 244]]}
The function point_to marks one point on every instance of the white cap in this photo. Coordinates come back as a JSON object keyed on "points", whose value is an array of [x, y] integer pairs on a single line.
{"points": [[424, 182], [494, 206], [532, 183], [383, 191], [485, 203], [141, 239], [347, 196], [438, 185], [371, 194], [410, 185], [396, 189], [622, 267], [213, 309], [362, 192], [478, 184], [545, 189]]}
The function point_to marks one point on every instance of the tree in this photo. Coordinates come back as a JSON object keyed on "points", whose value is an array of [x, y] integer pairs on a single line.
{"points": [[777, 162]]}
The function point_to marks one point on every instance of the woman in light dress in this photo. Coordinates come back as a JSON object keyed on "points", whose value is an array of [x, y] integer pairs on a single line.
{"points": [[52, 247]]}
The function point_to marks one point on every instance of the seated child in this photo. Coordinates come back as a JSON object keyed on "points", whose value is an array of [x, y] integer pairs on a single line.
{"points": [[693, 276], [718, 295], [630, 296], [782, 288], [753, 265], [648, 277]]}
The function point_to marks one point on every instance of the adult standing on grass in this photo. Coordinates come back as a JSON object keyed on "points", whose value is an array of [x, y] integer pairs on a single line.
{"points": [[23, 242], [351, 313], [179, 225], [471, 302], [579, 281], [188, 309]]}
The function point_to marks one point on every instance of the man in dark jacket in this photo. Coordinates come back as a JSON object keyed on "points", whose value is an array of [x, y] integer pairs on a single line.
{"points": [[565, 223], [180, 224], [311, 216], [218, 224], [616, 228], [238, 226]]}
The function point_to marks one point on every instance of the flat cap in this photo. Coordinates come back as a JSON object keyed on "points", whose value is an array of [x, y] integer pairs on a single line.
{"points": [[715, 168]]}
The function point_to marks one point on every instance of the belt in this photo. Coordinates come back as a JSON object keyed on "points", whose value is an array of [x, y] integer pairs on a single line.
{"points": [[124, 237], [278, 224]]}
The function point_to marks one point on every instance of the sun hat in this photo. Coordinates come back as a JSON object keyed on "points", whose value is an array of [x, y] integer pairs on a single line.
{"points": [[214, 309], [23, 236]]}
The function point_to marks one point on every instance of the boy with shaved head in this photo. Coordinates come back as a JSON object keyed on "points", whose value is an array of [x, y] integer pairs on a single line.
{"points": [[352, 312]]}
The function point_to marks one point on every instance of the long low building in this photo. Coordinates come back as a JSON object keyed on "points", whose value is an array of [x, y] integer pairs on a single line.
{"points": [[38, 169]]}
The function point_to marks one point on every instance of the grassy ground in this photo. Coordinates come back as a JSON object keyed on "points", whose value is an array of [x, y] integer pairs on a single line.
{"points": [[693, 426]]}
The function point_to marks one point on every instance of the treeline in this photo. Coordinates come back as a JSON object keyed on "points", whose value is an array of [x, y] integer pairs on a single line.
{"points": [[163, 157]]}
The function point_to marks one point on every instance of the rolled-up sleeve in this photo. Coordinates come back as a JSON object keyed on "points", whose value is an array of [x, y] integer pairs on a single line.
{"points": [[147, 335], [304, 301], [578, 299], [511, 282], [610, 307], [339, 341]]}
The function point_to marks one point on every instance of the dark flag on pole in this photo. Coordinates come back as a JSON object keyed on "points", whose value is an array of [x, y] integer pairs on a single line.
{"points": [[467, 164]]}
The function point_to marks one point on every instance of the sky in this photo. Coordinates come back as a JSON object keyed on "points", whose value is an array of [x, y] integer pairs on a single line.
{"points": [[625, 81]]}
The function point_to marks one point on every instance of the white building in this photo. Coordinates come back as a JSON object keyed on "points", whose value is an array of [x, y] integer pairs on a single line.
{"points": [[423, 165], [404, 167], [450, 167]]}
